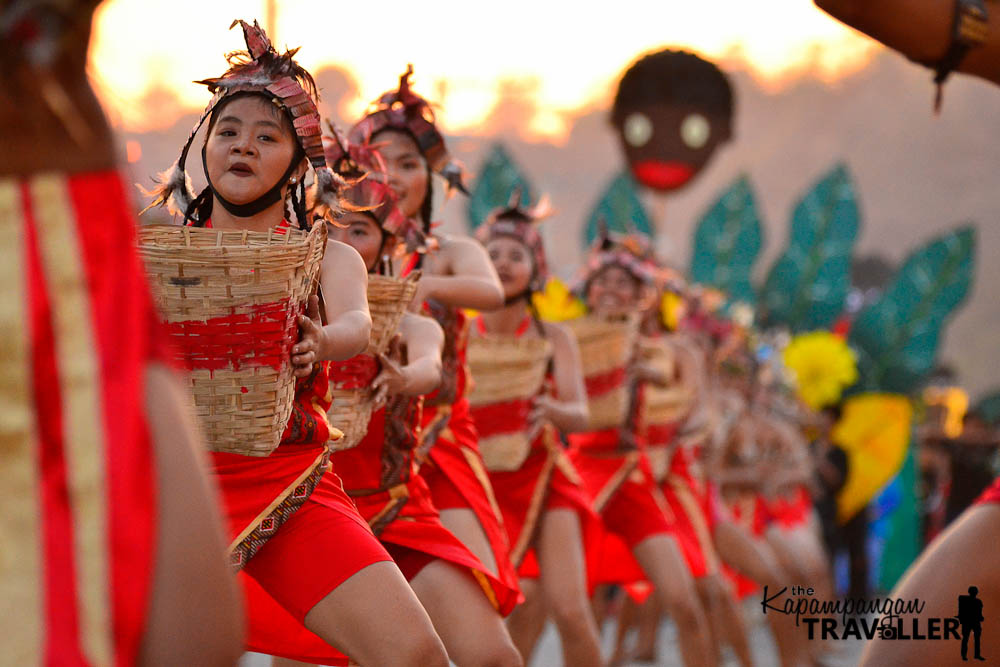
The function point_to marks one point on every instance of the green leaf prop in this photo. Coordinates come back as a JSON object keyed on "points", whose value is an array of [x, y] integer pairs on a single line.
{"points": [[806, 287], [620, 209], [896, 338], [727, 241], [494, 185]]}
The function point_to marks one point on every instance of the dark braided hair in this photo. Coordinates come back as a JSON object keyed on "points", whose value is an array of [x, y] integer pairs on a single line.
{"points": [[673, 77]]}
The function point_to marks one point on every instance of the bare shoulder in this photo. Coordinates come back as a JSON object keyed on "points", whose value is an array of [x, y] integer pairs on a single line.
{"points": [[343, 261]]}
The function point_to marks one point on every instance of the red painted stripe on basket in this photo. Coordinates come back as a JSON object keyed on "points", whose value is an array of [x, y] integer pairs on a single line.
{"points": [[504, 417], [263, 336], [604, 382], [354, 373]]}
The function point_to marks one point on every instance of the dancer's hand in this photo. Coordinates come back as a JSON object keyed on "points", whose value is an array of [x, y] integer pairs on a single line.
{"points": [[312, 340], [543, 409], [392, 379]]}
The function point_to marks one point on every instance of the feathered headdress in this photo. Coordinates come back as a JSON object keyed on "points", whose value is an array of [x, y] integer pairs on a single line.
{"points": [[258, 69], [367, 187], [402, 109], [520, 222]]}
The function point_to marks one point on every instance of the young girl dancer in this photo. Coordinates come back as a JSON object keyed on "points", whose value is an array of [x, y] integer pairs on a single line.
{"points": [[615, 468], [457, 274], [540, 495], [307, 558], [463, 599]]}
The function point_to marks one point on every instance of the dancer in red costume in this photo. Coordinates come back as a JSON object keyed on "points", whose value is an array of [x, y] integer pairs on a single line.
{"points": [[734, 463], [456, 274], [616, 470], [307, 558], [464, 600], [666, 411], [545, 509], [106, 508]]}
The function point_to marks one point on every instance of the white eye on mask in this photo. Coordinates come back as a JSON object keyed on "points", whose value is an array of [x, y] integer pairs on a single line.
{"points": [[638, 129], [695, 130]]}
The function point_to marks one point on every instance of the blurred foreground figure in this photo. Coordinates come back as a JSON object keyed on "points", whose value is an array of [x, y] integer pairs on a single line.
{"points": [[945, 35], [112, 548]]}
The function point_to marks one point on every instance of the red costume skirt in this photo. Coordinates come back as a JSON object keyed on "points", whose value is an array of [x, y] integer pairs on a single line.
{"points": [[629, 503], [991, 494], [457, 479], [415, 537], [78, 332], [319, 543], [546, 481]]}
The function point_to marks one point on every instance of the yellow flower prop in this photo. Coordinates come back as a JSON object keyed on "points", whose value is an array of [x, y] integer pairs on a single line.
{"points": [[556, 303], [874, 431], [823, 366], [671, 310]]}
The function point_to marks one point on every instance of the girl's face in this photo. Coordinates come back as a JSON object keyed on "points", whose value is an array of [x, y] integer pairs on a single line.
{"points": [[406, 169], [613, 292], [514, 265], [359, 231], [249, 148]]}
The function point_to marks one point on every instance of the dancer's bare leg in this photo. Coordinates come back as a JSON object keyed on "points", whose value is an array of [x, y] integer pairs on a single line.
{"points": [[755, 559], [463, 524], [527, 622], [473, 631], [725, 617], [962, 556], [661, 561], [376, 619], [564, 587]]}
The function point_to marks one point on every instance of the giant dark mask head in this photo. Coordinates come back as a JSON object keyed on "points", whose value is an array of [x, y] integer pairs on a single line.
{"points": [[672, 110]]}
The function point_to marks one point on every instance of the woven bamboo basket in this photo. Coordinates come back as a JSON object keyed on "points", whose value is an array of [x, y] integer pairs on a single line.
{"points": [[231, 301], [387, 301], [662, 405], [606, 346], [352, 406], [506, 369]]}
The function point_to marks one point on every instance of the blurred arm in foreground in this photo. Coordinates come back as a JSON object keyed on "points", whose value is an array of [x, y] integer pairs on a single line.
{"points": [[922, 30], [120, 551]]}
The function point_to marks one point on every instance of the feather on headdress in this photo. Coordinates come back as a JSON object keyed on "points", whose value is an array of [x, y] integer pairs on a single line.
{"points": [[258, 69]]}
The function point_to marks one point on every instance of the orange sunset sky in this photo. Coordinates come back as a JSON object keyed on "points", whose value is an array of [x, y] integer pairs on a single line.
{"points": [[567, 54]]}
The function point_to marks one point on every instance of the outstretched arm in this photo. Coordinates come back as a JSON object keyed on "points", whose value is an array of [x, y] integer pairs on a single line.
{"points": [[471, 280], [421, 374]]}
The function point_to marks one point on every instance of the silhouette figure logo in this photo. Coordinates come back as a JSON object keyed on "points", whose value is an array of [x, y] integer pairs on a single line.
{"points": [[970, 615]]}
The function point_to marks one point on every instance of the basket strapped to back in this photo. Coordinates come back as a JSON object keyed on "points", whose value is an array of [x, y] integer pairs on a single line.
{"points": [[231, 302], [606, 346], [351, 408], [507, 373]]}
